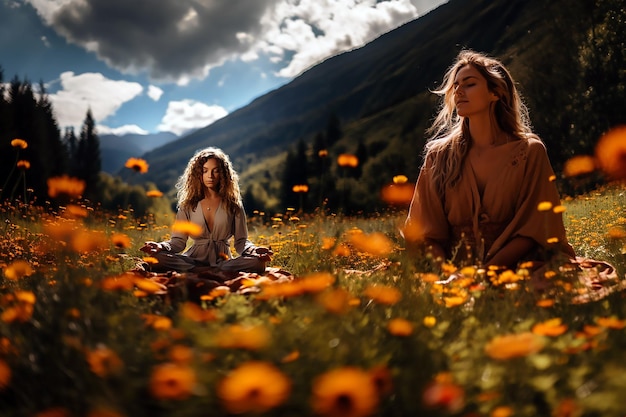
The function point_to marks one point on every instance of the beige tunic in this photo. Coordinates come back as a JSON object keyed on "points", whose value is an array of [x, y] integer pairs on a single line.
{"points": [[212, 247], [508, 206]]}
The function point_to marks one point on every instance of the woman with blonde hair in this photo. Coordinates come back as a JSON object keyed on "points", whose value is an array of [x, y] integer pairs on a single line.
{"points": [[486, 193], [209, 196]]}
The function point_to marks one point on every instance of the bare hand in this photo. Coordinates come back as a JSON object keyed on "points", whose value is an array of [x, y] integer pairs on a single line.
{"points": [[264, 254], [151, 247]]}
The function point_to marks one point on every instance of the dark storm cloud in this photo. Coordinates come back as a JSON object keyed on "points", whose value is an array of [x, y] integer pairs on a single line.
{"points": [[169, 39]]}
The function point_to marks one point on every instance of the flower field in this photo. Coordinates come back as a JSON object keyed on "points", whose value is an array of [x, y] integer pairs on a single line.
{"points": [[362, 330]]}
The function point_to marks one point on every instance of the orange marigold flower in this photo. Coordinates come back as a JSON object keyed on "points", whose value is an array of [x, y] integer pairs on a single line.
{"points": [[23, 164], [344, 392], [291, 357], [74, 211], [617, 232], [383, 294], [27, 297], [376, 243], [567, 407], [121, 240], [545, 302], [20, 313], [382, 379], [455, 300], [254, 387], [322, 153], [137, 165], [122, 282], [65, 186], [513, 346], [300, 188], [611, 153], [243, 337], [429, 321], [89, 241], [19, 143], [348, 160], [579, 165], [18, 269], [342, 250], [336, 301], [400, 327], [149, 286], [5, 375], [192, 311], [611, 322], [544, 206], [315, 282], [502, 411], [328, 243], [170, 381], [157, 322], [445, 394], [181, 354], [103, 361], [397, 193], [552, 327], [154, 193], [187, 228]]}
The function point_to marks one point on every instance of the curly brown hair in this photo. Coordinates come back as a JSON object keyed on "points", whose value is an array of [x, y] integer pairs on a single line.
{"points": [[190, 187]]}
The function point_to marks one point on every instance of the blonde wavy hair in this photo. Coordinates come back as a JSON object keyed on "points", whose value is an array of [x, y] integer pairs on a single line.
{"points": [[449, 140], [191, 189]]}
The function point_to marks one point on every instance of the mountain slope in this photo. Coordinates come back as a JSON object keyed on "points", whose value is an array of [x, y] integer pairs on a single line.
{"points": [[379, 92]]}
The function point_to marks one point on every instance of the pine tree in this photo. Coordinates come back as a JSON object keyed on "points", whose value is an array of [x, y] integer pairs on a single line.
{"points": [[88, 159]]}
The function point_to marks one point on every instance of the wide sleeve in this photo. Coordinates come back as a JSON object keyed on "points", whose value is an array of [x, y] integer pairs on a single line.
{"points": [[427, 219], [178, 240], [533, 219], [240, 232]]}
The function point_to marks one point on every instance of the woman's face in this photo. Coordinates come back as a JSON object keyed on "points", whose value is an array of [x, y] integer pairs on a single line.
{"points": [[211, 174], [471, 95]]}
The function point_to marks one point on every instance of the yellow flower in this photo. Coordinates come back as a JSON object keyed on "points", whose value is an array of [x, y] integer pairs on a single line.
{"points": [[552, 327], [254, 387], [400, 327], [383, 294], [65, 186], [513, 346], [19, 143], [103, 361], [430, 321], [611, 153], [348, 160], [137, 165], [344, 392], [170, 381], [187, 228], [18, 269], [400, 179], [5, 375]]}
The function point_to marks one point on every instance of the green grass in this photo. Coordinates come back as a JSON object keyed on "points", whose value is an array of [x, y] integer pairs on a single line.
{"points": [[83, 348]]}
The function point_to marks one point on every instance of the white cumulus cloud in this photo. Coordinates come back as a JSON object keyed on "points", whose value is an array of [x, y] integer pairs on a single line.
{"points": [[154, 92], [81, 92], [121, 130], [186, 115]]}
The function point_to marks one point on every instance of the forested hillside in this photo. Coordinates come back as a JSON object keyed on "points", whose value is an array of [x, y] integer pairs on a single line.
{"points": [[567, 56]]}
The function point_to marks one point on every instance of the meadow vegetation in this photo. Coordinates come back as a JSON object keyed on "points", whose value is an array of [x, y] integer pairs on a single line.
{"points": [[362, 329]]}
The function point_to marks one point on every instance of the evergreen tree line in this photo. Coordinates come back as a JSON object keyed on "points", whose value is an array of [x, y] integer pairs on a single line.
{"points": [[28, 115]]}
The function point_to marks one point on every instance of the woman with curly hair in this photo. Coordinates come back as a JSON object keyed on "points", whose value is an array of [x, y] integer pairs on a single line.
{"points": [[209, 196], [486, 192]]}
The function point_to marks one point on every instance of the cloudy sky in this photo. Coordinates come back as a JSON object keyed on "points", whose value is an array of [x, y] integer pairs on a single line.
{"points": [[145, 66]]}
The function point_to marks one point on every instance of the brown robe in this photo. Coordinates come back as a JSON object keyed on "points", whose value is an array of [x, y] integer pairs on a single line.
{"points": [[508, 206]]}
